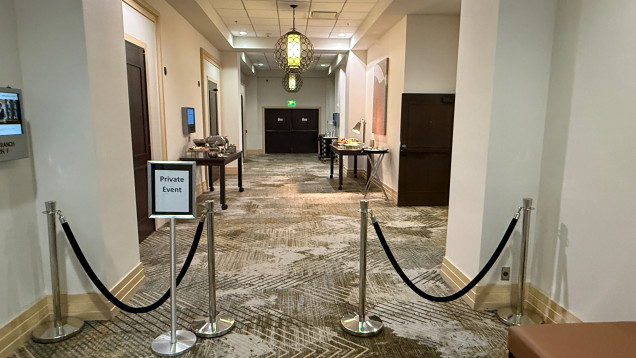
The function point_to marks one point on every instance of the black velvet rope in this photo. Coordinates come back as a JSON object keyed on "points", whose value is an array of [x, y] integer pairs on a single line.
{"points": [[466, 288], [102, 288]]}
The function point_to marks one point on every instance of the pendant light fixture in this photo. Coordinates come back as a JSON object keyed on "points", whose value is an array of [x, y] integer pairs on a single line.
{"points": [[293, 51], [292, 82]]}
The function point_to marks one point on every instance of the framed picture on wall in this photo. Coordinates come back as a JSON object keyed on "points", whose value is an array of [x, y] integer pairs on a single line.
{"points": [[380, 82]]}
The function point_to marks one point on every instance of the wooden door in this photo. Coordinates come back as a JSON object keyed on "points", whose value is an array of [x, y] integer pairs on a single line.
{"points": [[304, 130], [426, 138], [291, 130], [213, 108], [140, 134], [213, 114], [278, 130]]}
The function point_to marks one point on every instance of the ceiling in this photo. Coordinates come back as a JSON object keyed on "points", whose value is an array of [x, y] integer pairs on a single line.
{"points": [[333, 26], [273, 18]]}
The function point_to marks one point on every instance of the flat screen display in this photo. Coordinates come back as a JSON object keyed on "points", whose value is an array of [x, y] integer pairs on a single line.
{"points": [[190, 116], [10, 114]]}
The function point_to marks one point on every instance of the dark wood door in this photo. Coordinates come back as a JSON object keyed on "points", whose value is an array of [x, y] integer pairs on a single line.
{"points": [[426, 138], [278, 130], [213, 108], [140, 133], [213, 112], [304, 130], [291, 130]]}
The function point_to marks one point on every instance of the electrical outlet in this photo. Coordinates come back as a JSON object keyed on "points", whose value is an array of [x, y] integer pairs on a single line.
{"points": [[505, 273]]}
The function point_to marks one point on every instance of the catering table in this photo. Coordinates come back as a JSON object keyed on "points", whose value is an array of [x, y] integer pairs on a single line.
{"points": [[220, 162], [373, 164]]}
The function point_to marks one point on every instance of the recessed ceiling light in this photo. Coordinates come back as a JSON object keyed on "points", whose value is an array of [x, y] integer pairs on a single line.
{"points": [[242, 33], [324, 65], [260, 64], [342, 35]]}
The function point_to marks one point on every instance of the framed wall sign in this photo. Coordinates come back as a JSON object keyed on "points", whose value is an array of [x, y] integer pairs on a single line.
{"points": [[171, 189]]}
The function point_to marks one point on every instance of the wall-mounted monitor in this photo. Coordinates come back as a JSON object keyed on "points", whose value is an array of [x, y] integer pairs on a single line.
{"points": [[187, 116], [13, 138]]}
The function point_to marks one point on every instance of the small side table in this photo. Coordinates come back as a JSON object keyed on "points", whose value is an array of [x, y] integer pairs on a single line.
{"points": [[373, 164]]}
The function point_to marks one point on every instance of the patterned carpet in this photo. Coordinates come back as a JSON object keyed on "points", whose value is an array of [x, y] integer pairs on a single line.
{"points": [[287, 270]]}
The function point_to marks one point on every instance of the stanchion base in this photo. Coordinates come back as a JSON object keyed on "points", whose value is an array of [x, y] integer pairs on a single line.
{"points": [[47, 333], [509, 316], [223, 324], [161, 346], [371, 325]]}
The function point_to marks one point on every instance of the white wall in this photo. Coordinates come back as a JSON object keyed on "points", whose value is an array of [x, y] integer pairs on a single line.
{"points": [[103, 23], [583, 256], [431, 53], [340, 83], [502, 79], [231, 99], [21, 262], [253, 137], [73, 70]]}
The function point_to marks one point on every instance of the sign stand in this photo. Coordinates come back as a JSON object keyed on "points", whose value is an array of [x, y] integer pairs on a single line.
{"points": [[172, 196]]}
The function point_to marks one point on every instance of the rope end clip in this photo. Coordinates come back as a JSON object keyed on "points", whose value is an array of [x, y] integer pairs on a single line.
{"points": [[61, 217], [372, 214], [518, 213], [203, 215]]}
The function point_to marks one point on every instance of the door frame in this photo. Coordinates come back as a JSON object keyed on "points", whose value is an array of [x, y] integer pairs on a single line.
{"points": [[152, 14], [206, 56], [280, 107]]}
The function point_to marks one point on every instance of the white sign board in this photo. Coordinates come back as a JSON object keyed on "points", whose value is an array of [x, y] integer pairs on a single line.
{"points": [[171, 189]]}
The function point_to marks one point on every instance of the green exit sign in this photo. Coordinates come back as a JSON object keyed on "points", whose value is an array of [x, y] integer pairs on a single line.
{"points": [[291, 103]]}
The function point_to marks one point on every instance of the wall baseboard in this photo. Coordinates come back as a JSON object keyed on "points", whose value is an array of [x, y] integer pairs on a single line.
{"points": [[490, 297], [254, 151], [17, 331], [551, 311], [88, 306]]}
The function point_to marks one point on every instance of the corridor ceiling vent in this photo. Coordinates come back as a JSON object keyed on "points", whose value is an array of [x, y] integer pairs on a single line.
{"points": [[292, 82], [293, 51]]}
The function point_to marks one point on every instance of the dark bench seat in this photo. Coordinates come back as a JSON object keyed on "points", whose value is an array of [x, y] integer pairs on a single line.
{"points": [[580, 340]]}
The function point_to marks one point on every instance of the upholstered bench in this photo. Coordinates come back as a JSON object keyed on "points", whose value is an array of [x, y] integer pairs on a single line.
{"points": [[576, 340]]}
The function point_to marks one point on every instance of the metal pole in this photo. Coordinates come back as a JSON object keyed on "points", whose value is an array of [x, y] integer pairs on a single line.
{"points": [[362, 287], [175, 342], [55, 276], [525, 232], [209, 206], [173, 283], [361, 324], [519, 316], [216, 324], [58, 328]]}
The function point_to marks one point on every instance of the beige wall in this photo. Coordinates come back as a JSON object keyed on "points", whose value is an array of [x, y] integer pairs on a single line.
{"points": [[181, 47], [393, 46], [431, 53]]}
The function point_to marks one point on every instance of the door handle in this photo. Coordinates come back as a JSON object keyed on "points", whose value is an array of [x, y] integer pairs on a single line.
{"points": [[403, 149]]}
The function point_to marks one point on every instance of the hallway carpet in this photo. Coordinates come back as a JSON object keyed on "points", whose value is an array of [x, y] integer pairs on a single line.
{"points": [[287, 259]]}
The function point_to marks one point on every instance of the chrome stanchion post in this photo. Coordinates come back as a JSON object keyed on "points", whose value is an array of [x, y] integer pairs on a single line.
{"points": [[175, 342], [216, 324], [58, 328], [518, 316], [361, 324]]}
